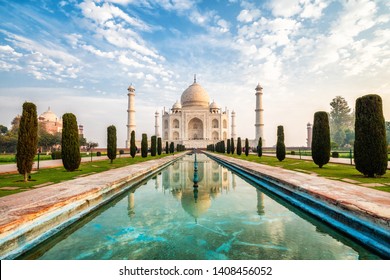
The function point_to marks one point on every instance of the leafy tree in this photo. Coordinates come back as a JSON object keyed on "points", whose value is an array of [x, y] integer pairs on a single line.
{"points": [[144, 145], [340, 119], [27, 139], [70, 151], [239, 148], [246, 147], [3, 129], [228, 146], [320, 146], [370, 136], [232, 145], [280, 146], [172, 148], [153, 145], [90, 145], [159, 145], [166, 147], [133, 148], [15, 124], [82, 141], [111, 142], [260, 147]]}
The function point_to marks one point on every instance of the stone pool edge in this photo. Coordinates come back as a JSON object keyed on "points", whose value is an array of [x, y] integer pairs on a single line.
{"points": [[29, 218], [346, 207]]}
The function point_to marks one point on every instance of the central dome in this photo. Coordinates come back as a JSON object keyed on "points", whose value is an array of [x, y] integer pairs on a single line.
{"points": [[195, 96]]}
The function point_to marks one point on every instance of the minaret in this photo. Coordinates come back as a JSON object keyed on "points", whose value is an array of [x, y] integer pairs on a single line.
{"points": [[309, 134], [130, 114], [156, 126], [259, 113], [234, 125]]}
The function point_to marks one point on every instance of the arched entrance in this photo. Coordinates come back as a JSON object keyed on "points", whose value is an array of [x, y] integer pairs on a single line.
{"points": [[195, 129]]}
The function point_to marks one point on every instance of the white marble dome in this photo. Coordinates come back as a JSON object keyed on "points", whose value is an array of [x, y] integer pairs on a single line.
{"points": [[195, 96], [49, 116], [176, 106], [214, 105]]}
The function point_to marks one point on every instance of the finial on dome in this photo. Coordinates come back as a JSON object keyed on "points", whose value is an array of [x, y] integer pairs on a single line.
{"points": [[194, 78]]}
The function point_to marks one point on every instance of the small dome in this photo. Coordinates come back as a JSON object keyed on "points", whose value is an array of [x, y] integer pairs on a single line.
{"points": [[48, 116], [177, 105], [195, 96], [214, 105], [131, 88]]}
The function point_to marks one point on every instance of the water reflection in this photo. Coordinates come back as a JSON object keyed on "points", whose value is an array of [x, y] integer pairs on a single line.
{"points": [[224, 217]]}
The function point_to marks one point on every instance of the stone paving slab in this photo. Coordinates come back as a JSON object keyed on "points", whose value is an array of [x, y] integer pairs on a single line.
{"points": [[369, 203], [21, 212]]}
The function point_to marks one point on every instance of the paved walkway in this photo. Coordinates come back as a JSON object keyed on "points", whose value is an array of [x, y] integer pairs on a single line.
{"points": [[11, 168]]}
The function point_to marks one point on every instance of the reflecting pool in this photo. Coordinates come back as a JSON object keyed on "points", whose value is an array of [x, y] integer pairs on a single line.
{"points": [[223, 217]]}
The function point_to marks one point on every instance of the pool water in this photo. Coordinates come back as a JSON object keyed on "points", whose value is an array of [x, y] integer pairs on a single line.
{"points": [[223, 218]]}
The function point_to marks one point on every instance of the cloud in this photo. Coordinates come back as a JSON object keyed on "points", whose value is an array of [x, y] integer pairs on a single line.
{"points": [[249, 15], [285, 8]]}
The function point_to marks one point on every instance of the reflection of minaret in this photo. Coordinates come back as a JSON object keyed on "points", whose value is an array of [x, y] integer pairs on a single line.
{"points": [[130, 114], [234, 184], [130, 206], [156, 126], [156, 183], [234, 125], [259, 113], [309, 134], [260, 203]]}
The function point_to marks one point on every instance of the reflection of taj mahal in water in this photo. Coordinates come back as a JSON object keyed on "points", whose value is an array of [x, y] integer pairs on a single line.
{"points": [[214, 180]]}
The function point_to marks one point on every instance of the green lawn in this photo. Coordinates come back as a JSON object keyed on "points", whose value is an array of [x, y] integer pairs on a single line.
{"points": [[8, 158], [331, 170], [13, 182]]}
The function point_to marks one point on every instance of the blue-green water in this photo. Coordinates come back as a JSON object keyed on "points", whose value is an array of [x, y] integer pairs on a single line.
{"points": [[224, 218]]}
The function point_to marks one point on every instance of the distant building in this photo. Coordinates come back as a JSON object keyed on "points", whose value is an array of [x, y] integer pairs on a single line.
{"points": [[52, 124], [309, 134]]}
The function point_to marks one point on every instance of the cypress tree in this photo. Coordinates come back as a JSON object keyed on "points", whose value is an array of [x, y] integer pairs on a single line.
{"points": [[111, 142], [370, 147], [228, 146], [144, 145], [153, 146], [239, 149], [246, 147], [232, 145], [260, 147], [27, 139], [280, 147], [166, 147], [172, 148], [320, 145], [133, 148], [70, 150], [159, 145]]}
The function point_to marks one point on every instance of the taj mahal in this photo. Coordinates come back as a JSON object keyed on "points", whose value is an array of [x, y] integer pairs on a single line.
{"points": [[194, 121]]}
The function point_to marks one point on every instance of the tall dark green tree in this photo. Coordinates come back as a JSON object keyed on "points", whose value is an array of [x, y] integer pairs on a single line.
{"points": [[280, 146], [232, 145], [27, 139], [153, 145], [239, 148], [111, 142], [166, 147], [159, 145], [320, 145], [172, 148], [370, 147], [70, 148], [144, 145], [246, 147], [260, 147], [228, 146], [133, 148]]}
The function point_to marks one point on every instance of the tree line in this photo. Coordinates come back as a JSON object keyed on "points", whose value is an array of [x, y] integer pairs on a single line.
{"points": [[370, 138]]}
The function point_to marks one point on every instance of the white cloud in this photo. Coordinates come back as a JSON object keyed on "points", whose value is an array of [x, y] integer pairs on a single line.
{"points": [[313, 9], [285, 8], [249, 15]]}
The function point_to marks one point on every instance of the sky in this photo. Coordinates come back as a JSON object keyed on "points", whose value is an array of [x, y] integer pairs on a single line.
{"points": [[81, 56]]}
